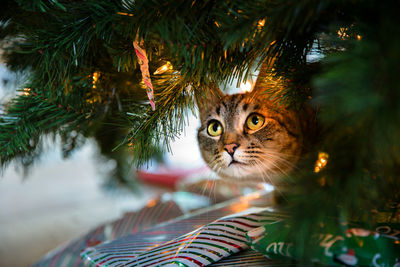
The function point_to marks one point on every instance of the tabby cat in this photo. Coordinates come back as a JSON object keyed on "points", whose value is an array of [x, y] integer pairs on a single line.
{"points": [[247, 138]]}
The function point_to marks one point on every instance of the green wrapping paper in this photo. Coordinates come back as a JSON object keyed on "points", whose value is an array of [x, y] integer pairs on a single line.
{"points": [[353, 247]]}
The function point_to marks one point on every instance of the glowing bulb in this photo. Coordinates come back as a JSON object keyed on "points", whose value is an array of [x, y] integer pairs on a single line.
{"points": [[261, 23], [95, 76], [151, 203], [163, 68], [125, 14], [321, 161], [342, 33], [26, 91], [246, 87]]}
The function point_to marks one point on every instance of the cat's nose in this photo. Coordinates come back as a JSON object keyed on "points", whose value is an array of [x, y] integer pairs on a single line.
{"points": [[231, 148]]}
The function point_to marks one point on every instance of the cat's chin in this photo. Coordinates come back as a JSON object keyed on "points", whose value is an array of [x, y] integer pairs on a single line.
{"points": [[235, 163], [241, 173], [247, 181]]}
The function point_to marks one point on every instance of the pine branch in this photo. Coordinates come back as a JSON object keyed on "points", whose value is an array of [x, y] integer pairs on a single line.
{"points": [[150, 129], [356, 93], [30, 116]]}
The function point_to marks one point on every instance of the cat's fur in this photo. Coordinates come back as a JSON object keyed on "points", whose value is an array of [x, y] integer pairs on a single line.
{"points": [[261, 155]]}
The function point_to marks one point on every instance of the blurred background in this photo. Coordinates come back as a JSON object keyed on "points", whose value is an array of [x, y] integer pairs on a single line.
{"points": [[60, 199]]}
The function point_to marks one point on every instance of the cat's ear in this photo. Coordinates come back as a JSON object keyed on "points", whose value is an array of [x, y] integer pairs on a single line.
{"points": [[267, 84], [207, 98], [267, 81]]}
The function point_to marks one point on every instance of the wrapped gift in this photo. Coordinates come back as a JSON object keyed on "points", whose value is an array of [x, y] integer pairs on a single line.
{"points": [[353, 246], [209, 236], [156, 211]]}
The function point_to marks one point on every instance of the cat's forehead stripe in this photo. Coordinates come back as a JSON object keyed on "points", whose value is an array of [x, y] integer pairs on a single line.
{"points": [[237, 100], [224, 104], [231, 103]]}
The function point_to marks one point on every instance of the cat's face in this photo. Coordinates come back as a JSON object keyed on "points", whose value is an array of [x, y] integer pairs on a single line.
{"points": [[244, 137]]}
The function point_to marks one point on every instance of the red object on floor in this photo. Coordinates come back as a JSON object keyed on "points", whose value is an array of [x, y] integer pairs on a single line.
{"points": [[167, 177]]}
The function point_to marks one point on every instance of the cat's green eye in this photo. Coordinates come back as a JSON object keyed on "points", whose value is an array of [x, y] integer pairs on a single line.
{"points": [[255, 121], [214, 128]]}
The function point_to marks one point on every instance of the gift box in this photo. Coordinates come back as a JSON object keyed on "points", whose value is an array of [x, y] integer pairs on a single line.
{"points": [[238, 232], [168, 206], [156, 211], [213, 236]]}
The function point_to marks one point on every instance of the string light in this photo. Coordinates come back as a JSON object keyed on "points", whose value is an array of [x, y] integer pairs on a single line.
{"points": [[246, 87], [26, 91], [342, 33], [125, 14], [321, 161], [261, 23], [95, 77], [163, 68]]}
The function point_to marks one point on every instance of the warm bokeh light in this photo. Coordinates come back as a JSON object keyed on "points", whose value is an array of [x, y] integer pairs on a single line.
{"points": [[125, 14], [321, 161], [151, 203], [244, 202], [95, 76], [26, 91], [246, 87], [163, 68], [342, 33]]}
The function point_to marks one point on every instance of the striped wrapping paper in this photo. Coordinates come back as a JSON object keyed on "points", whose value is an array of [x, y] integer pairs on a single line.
{"points": [[132, 222], [200, 239]]}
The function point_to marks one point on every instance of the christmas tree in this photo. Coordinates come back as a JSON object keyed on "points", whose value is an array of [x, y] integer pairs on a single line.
{"points": [[92, 65]]}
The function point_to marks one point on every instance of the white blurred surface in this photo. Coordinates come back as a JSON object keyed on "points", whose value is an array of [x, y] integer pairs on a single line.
{"points": [[58, 201]]}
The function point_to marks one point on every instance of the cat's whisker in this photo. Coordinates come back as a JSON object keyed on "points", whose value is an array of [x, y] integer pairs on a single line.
{"points": [[216, 160], [267, 175], [276, 188], [283, 157], [263, 175], [278, 157], [205, 187], [275, 161], [216, 167], [211, 189], [214, 188], [274, 164]]}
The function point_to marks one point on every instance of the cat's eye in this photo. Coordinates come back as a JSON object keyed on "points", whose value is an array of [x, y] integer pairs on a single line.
{"points": [[255, 121], [214, 128]]}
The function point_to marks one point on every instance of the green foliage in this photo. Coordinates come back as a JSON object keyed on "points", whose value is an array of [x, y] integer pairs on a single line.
{"points": [[354, 87]]}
